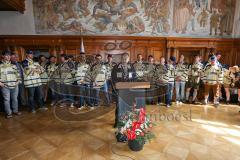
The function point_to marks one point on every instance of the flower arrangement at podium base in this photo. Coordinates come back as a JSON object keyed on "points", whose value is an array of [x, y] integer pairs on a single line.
{"points": [[135, 128]]}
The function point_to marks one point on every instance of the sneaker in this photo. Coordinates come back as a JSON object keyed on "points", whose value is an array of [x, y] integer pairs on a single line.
{"points": [[9, 116], [168, 106], [177, 102], [194, 102], [205, 102], [53, 103], [72, 105], [17, 113], [96, 105], [180, 102], [43, 108], [62, 105], [91, 108], [33, 111], [158, 104], [81, 108]]}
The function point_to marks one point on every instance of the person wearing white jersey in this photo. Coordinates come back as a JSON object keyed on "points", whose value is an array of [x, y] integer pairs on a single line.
{"points": [[212, 78], [181, 77], [99, 78], [172, 70], [83, 79], [9, 80], [32, 81]]}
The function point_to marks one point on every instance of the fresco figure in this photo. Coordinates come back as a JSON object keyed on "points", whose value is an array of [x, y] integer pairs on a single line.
{"points": [[198, 4], [114, 7], [214, 22], [159, 17], [83, 6], [227, 19], [120, 24], [100, 5], [204, 4], [202, 18], [182, 16], [102, 20], [74, 26], [142, 2], [136, 25], [149, 8], [140, 17], [218, 4], [192, 18]]}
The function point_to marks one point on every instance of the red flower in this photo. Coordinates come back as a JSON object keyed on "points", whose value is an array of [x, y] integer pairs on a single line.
{"points": [[135, 125], [131, 135], [142, 134], [142, 115]]}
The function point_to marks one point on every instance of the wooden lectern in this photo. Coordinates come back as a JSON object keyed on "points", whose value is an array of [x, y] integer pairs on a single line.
{"points": [[130, 93]]}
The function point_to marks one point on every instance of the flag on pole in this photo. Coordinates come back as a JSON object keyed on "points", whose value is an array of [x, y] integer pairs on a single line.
{"points": [[82, 49]]}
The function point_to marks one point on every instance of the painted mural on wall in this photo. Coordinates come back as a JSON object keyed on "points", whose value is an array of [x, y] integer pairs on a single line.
{"points": [[135, 17]]}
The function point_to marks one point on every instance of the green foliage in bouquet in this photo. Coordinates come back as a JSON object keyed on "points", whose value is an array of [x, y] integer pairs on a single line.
{"points": [[136, 126]]}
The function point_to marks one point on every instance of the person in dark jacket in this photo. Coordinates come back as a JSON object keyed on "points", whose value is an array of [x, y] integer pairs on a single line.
{"points": [[123, 72]]}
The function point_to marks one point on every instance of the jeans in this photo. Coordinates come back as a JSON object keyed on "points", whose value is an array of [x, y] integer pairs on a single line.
{"points": [[82, 95], [171, 87], [165, 88], [22, 100], [39, 97], [10, 96], [85, 95], [67, 91], [54, 95], [180, 90], [150, 94], [109, 86], [96, 95], [55, 89]]}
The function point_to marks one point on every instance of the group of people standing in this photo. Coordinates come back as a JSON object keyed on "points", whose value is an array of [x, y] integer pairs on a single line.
{"points": [[65, 81], [80, 81], [186, 78]]}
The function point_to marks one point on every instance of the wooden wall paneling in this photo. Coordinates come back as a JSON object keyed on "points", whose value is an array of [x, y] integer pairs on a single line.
{"points": [[157, 53], [139, 50], [168, 53], [227, 55], [237, 51], [236, 59], [157, 46], [188, 54], [21, 54], [236, 55]]}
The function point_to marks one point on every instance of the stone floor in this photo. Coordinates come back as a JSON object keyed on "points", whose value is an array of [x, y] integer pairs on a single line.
{"points": [[182, 132]]}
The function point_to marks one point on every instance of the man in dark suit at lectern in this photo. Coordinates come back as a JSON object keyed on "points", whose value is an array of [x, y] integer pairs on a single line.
{"points": [[123, 72]]}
